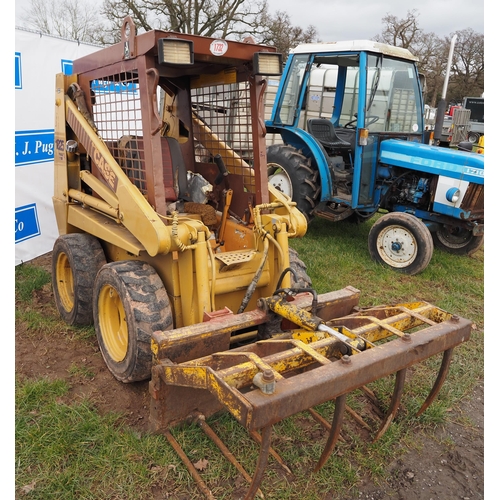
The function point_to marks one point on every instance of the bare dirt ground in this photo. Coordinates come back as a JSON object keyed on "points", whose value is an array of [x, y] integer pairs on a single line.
{"points": [[449, 464]]}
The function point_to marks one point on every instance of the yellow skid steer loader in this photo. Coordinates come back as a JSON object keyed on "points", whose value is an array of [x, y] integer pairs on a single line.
{"points": [[173, 244]]}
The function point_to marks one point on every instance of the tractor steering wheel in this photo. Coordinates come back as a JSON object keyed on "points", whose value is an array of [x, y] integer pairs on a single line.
{"points": [[369, 121]]}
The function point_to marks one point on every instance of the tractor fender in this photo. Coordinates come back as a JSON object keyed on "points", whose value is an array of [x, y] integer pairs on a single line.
{"points": [[304, 142]]}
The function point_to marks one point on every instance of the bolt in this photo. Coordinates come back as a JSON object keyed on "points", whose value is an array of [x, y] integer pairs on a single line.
{"points": [[267, 376], [406, 337], [345, 359]]}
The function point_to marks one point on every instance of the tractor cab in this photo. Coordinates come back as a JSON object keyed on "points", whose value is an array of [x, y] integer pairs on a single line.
{"points": [[348, 97]]}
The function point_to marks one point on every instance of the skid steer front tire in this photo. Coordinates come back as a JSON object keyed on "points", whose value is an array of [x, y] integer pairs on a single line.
{"points": [[130, 303], [76, 259]]}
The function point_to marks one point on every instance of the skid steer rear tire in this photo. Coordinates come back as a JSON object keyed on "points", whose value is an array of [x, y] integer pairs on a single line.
{"points": [[76, 259], [291, 172], [130, 303], [303, 280]]}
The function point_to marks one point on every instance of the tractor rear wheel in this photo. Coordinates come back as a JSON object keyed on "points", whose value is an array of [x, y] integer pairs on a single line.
{"points": [[457, 240], [130, 303], [290, 172], [76, 259], [402, 242]]}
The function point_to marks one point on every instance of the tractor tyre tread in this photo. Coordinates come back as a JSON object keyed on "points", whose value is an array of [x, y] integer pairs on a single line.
{"points": [[303, 176]]}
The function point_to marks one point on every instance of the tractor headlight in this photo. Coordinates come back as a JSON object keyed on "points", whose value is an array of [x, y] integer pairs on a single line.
{"points": [[453, 194], [175, 51], [267, 63]]}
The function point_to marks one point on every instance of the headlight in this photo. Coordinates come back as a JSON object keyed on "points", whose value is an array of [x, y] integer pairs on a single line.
{"points": [[453, 195], [175, 51], [267, 63]]}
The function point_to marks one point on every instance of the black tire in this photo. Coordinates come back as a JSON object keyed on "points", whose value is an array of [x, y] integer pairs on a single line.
{"points": [[457, 241], [76, 260], [473, 137], [402, 242], [303, 280], [130, 303], [291, 172]]}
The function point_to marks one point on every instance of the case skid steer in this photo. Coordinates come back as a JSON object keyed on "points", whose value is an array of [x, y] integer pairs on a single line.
{"points": [[175, 247]]}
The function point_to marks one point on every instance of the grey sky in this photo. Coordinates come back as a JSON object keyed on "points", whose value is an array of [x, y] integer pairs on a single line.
{"points": [[337, 20]]}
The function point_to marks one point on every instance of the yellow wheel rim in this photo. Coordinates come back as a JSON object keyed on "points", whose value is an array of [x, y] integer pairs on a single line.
{"points": [[113, 323], [65, 283]]}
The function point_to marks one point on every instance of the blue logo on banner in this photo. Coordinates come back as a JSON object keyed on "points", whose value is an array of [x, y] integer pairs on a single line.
{"points": [[67, 66], [17, 71], [27, 225], [34, 146]]}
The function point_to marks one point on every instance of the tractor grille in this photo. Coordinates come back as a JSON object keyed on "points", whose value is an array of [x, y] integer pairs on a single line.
{"points": [[474, 200]]}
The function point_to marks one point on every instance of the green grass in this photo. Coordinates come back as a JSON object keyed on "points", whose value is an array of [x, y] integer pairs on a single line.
{"points": [[67, 450]]}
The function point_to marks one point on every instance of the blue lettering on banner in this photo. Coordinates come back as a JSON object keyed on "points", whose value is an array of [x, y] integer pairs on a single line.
{"points": [[34, 146], [18, 70], [27, 225], [67, 66]]}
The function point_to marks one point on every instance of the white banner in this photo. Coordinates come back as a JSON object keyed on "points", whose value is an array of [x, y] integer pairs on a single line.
{"points": [[38, 58]]}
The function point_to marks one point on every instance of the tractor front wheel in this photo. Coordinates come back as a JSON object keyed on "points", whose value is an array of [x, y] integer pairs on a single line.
{"points": [[457, 240], [130, 303], [402, 242]]}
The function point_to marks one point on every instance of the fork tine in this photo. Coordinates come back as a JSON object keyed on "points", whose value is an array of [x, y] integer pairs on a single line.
{"points": [[396, 399], [443, 372], [333, 436]]}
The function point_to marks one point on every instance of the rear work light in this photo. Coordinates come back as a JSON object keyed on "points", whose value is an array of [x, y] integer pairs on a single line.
{"points": [[175, 51]]}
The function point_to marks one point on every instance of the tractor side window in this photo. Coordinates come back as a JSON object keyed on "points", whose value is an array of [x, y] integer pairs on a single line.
{"points": [[289, 109]]}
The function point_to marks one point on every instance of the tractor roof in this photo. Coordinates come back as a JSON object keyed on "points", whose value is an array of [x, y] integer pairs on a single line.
{"points": [[354, 46]]}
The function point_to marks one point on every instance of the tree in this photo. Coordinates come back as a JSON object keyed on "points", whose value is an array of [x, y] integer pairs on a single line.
{"points": [[279, 32], [467, 70], [467, 66], [403, 33], [232, 19], [71, 19]]}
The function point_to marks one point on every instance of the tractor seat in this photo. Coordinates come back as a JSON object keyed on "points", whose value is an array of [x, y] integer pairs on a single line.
{"points": [[323, 130]]}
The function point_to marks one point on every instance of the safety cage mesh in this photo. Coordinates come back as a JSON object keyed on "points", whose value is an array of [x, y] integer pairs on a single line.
{"points": [[225, 113], [118, 118], [222, 112]]}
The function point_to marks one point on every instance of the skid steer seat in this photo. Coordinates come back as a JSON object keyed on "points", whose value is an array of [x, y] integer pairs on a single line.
{"points": [[174, 169], [323, 130]]}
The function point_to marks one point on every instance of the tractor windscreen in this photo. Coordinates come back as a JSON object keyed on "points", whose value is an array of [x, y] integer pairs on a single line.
{"points": [[393, 96]]}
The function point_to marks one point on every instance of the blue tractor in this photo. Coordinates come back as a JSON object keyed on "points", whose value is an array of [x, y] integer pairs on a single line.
{"points": [[350, 140]]}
